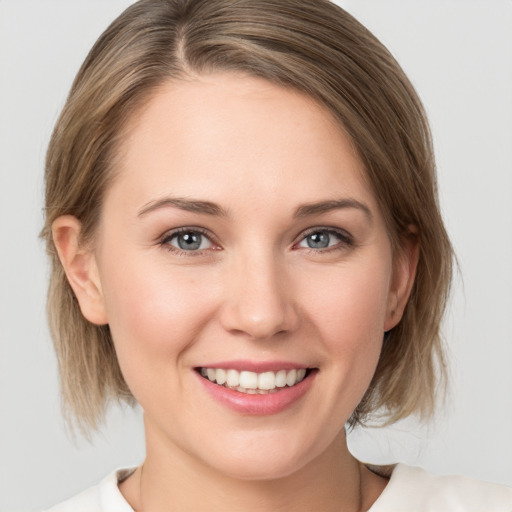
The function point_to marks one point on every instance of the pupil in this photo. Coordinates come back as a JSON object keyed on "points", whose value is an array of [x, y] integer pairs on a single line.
{"points": [[189, 241], [318, 240]]}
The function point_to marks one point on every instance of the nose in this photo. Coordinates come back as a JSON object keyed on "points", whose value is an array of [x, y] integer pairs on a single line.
{"points": [[259, 299]]}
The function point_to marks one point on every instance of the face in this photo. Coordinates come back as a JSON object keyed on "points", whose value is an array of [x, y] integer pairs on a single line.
{"points": [[245, 272]]}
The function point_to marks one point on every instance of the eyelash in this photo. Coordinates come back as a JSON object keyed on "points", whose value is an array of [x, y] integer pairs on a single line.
{"points": [[167, 237], [346, 242]]}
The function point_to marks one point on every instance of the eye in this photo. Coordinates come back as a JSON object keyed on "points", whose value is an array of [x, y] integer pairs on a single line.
{"points": [[188, 240], [324, 239]]}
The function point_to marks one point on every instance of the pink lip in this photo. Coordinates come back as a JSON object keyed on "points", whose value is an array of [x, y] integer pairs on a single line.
{"points": [[257, 405], [255, 366]]}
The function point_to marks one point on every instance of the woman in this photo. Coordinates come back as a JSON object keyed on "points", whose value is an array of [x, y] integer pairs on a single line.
{"points": [[245, 239]]}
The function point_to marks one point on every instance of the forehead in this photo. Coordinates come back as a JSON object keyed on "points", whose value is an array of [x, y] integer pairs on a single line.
{"points": [[225, 133]]}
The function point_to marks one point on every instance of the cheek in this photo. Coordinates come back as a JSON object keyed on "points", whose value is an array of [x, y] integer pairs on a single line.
{"points": [[153, 314], [352, 299], [349, 312]]}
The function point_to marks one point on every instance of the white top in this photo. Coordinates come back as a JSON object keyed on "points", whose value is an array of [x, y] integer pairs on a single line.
{"points": [[409, 489]]}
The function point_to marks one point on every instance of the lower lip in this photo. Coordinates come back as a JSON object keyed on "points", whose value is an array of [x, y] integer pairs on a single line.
{"points": [[258, 405]]}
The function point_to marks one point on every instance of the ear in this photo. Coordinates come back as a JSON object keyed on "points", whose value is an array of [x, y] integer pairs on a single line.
{"points": [[79, 264], [404, 272]]}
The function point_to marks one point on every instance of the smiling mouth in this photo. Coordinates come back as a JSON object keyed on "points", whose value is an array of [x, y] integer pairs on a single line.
{"points": [[254, 383]]}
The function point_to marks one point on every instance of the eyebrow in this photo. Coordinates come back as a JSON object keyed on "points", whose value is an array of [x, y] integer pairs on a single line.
{"points": [[310, 209], [189, 205], [209, 208]]}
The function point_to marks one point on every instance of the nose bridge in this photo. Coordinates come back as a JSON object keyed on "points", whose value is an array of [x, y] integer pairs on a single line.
{"points": [[258, 300]]}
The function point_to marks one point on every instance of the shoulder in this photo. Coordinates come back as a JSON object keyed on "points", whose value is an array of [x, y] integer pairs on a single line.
{"points": [[413, 489], [104, 497]]}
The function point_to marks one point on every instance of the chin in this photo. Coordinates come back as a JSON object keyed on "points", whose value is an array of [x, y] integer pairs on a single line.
{"points": [[266, 459], [249, 469]]}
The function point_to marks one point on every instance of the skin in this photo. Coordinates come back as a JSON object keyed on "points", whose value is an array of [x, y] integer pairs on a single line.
{"points": [[254, 291]]}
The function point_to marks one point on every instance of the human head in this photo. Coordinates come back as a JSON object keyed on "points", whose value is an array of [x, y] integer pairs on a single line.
{"points": [[314, 47]]}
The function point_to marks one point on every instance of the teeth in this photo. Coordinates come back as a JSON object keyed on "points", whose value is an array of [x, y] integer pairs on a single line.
{"points": [[291, 377], [248, 380], [221, 376], [267, 380], [233, 379], [281, 379], [253, 383]]}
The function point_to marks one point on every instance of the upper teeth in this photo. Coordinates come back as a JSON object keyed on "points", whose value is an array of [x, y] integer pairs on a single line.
{"points": [[252, 380]]}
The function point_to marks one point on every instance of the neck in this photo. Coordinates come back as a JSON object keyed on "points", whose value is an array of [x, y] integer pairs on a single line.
{"points": [[171, 479]]}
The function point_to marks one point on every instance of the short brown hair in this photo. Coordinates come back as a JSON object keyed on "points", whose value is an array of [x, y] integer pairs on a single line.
{"points": [[312, 46]]}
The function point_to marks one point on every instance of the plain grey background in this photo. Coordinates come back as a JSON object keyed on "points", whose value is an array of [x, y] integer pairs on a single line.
{"points": [[458, 55]]}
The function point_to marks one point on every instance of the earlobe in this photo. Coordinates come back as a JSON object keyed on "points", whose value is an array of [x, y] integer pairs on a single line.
{"points": [[404, 273], [79, 263]]}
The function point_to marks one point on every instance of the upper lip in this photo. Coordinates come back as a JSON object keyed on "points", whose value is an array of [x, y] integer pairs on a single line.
{"points": [[255, 366]]}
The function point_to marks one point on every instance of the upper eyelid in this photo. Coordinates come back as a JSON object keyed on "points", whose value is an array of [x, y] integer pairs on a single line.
{"points": [[314, 229], [330, 229], [170, 233]]}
